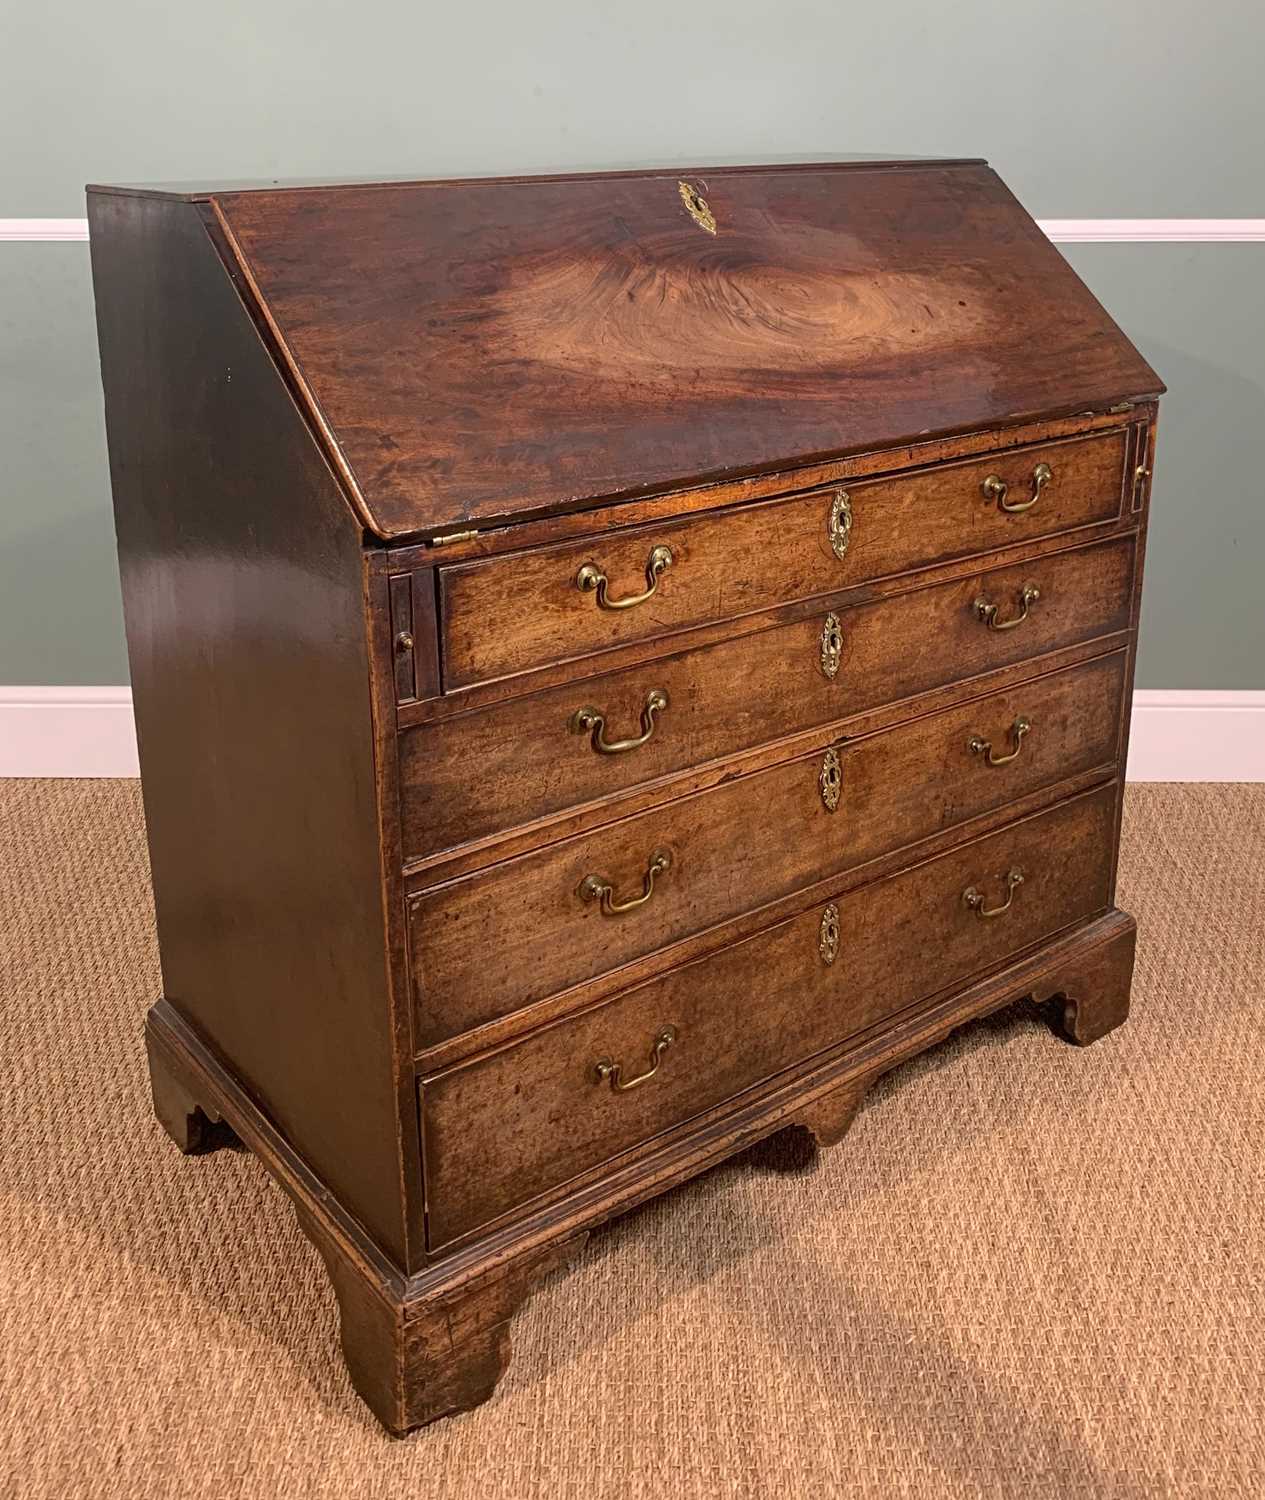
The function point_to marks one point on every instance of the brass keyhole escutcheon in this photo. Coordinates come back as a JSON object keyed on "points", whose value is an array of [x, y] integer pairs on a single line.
{"points": [[839, 524], [830, 779], [828, 935], [831, 646], [697, 207]]}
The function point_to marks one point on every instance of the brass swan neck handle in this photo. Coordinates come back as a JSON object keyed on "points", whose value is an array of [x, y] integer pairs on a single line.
{"points": [[978, 746], [592, 721], [598, 888], [996, 488], [988, 612], [974, 899], [591, 580], [608, 1071]]}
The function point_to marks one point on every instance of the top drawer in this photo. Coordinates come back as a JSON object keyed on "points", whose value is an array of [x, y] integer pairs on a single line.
{"points": [[509, 614]]}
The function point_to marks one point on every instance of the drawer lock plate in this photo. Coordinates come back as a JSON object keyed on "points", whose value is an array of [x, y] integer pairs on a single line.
{"points": [[831, 647], [830, 779], [828, 936], [840, 523]]}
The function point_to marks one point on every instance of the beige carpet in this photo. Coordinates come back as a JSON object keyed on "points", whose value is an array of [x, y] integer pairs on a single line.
{"points": [[1030, 1270]]}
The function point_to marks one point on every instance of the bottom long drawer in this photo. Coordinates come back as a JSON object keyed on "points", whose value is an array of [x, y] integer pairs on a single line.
{"points": [[505, 1127]]}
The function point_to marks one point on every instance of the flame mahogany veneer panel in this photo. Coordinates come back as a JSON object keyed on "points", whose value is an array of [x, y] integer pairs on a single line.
{"points": [[501, 349]]}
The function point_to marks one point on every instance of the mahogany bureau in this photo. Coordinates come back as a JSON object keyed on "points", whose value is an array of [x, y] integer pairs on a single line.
{"points": [[619, 662]]}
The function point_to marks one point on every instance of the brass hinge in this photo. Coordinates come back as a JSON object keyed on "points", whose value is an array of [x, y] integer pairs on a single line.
{"points": [[1121, 406], [453, 536]]}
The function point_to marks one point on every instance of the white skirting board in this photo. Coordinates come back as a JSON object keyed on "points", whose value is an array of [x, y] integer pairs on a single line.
{"points": [[1197, 736], [67, 731], [1176, 736]]}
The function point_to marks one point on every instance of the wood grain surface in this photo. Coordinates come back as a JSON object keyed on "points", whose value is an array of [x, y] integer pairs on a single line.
{"points": [[516, 612], [506, 1127], [363, 441], [511, 348], [486, 772], [497, 941], [243, 587]]}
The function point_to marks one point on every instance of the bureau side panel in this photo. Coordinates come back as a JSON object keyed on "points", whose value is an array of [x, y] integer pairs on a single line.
{"points": [[244, 600]]}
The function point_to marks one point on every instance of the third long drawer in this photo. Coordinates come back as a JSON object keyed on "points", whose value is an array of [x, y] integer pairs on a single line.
{"points": [[503, 938]]}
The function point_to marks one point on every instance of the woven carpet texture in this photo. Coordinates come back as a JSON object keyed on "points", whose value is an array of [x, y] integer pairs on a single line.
{"points": [[1030, 1269]]}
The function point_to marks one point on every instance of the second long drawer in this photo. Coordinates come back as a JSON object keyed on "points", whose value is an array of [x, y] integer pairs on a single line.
{"points": [[499, 940], [474, 775]]}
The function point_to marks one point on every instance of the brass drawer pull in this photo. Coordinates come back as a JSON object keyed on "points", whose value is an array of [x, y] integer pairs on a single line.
{"points": [[592, 721], [978, 746], [610, 1071], [598, 888], [988, 612], [975, 899], [590, 579], [995, 489]]}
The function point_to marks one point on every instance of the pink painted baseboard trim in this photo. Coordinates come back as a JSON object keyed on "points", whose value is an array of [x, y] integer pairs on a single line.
{"points": [[1176, 735]]}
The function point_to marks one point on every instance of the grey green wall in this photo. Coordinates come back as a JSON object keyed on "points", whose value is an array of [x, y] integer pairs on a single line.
{"points": [[1132, 110]]}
